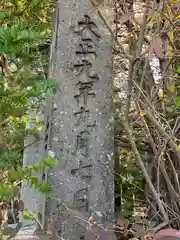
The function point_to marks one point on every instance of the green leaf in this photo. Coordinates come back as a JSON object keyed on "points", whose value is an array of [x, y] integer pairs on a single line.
{"points": [[44, 188], [178, 101], [29, 215], [48, 162], [4, 15], [50, 85], [6, 191], [34, 181], [171, 88], [178, 69]]}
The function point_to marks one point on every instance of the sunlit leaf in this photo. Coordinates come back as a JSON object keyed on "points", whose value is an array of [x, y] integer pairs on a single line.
{"points": [[178, 101], [171, 88], [30, 215], [142, 113], [171, 35], [4, 15], [44, 188], [161, 93], [169, 53], [157, 47], [178, 69]]}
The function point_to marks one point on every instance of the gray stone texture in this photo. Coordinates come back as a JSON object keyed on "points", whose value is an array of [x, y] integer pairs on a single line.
{"points": [[32, 154], [81, 135], [32, 198]]}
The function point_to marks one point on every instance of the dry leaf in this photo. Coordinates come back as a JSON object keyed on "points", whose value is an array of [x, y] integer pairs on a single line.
{"points": [[168, 232], [139, 230], [157, 47], [107, 235], [176, 6], [138, 13], [122, 222], [126, 17], [21, 205], [151, 50]]}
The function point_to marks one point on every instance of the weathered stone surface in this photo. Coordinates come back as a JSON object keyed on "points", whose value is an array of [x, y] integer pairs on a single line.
{"points": [[32, 198], [26, 233], [81, 136], [32, 154]]}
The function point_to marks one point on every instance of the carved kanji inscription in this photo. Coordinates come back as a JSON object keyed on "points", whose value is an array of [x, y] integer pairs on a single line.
{"points": [[85, 47], [85, 66], [85, 90], [81, 198], [87, 24], [84, 170]]}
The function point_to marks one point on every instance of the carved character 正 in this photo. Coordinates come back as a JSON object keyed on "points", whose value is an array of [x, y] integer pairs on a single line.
{"points": [[86, 47]]}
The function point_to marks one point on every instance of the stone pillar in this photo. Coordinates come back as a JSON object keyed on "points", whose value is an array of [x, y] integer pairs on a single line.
{"points": [[81, 134]]}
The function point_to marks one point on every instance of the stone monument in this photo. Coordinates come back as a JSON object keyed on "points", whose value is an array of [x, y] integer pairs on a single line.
{"points": [[80, 135]]}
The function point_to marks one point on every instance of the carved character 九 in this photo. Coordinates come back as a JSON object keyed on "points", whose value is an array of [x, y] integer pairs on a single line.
{"points": [[85, 90], [85, 66], [82, 115]]}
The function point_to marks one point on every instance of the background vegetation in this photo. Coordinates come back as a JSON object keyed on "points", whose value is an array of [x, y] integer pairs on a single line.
{"points": [[25, 33], [146, 121]]}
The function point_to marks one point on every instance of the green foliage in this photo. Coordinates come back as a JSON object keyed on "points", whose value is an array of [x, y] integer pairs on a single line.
{"points": [[18, 35], [178, 101], [11, 179], [9, 159], [30, 215], [25, 26], [178, 69], [131, 180]]}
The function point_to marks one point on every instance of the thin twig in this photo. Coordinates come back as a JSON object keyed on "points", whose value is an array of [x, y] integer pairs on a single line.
{"points": [[128, 56], [175, 174], [145, 173], [164, 134], [133, 63]]}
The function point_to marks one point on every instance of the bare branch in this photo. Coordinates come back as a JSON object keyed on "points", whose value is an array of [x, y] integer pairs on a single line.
{"points": [[148, 180]]}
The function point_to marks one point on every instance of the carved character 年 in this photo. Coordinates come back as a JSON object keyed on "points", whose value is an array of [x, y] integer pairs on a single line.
{"points": [[85, 89]]}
